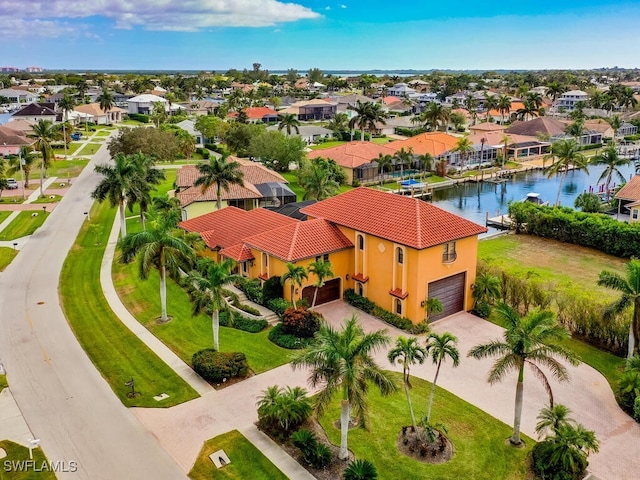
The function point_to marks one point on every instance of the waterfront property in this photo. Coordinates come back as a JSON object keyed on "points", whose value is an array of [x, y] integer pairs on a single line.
{"points": [[629, 199]]}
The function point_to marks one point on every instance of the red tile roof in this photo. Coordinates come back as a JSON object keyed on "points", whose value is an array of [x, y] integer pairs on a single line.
{"points": [[631, 190], [353, 154], [230, 226], [434, 143], [300, 240], [235, 192], [359, 277], [397, 292], [257, 113], [404, 220], [239, 253]]}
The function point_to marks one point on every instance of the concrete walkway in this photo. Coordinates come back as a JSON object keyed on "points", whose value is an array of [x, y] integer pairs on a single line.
{"points": [[159, 348], [12, 424]]}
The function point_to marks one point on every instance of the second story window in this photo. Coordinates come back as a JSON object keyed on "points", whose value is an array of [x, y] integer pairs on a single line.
{"points": [[360, 242], [449, 252], [266, 259], [400, 255]]}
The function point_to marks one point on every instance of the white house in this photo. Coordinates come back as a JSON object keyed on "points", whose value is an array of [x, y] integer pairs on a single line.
{"points": [[569, 99], [144, 103], [18, 96], [190, 126], [308, 133], [401, 90]]}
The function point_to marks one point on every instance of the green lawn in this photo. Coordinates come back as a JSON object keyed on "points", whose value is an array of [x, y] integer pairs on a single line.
{"points": [[292, 179], [381, 140], [12, 200], [247, 462], [103, 133], [71, 148], [6, 257], [132, 123], [3, 382], [186, 334], [90, 149], [322, 146], [18, 453], [63, 168], [24, 224], [3, 216], [161, 190], [115, 351], [48, 199], [481, 448]]}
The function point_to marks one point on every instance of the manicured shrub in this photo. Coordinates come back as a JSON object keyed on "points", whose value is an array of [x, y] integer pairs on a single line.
{"points": [[422, 327], [236, 320], [358, 301], [140, 117], [316, 454], [278, 305], [281, 410], [271, 290], [392, 319], [219, 366], [285, 340], [360, 470], [301, 322], [482, 309], [251, 289], [249, 309]]}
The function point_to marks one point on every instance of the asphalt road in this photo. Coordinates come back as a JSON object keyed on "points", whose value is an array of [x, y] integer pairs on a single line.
{"points": [[63, 398]]}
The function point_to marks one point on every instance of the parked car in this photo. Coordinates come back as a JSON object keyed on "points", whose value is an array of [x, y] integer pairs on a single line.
{"points": [[75, 136], [13, 185]]}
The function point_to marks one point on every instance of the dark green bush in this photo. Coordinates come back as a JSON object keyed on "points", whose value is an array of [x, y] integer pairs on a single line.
{"points": [[249, 309], [391, 318], [242, 323], [219, 366], [482, 309], [140, 117], [358, 301], [251, 289], [544, 466], [278, 305], [271, 290], [360, 470], [422, 327], [301, 322], [316, 454], [284, 340]]}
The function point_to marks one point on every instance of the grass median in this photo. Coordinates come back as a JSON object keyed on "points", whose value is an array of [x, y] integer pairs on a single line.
{"points": [[16, 465], [115, 351], [6, 257], [26, 223]]}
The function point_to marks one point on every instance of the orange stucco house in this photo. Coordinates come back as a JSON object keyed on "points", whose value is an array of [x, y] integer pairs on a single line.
{"points": [[396, 251]]}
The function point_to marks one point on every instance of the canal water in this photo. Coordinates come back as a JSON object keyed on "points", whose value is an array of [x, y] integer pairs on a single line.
{"points": [[474, 200]]}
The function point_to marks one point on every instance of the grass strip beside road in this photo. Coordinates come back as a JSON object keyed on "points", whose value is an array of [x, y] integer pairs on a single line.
{"points": [[480, 441], [6, 257], [247, 462], [62, 169], [3, 382], [16, 465], [115, 351], [26, 223]]}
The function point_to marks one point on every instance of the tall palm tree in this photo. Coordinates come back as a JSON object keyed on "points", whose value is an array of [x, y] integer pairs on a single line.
{"points": [[316, 181], [629, 287], [207, 292], [23, 162], [403, 157], [295, 275], [407, 352], [616, 123], [115, 185], [289, 121], [529, 340], [613, 162], [504, 105], [491, 102], [45, 133], [471, 105], [436, 115], [441, 347], [464, 147], [106, 101], [554, 90], [142, 182], [566, 154], [66, 104], [159, 248], [322, 271], [342, 362], [339, 123], [383, 161], [221, 173], [367, 115], [487, 288]]}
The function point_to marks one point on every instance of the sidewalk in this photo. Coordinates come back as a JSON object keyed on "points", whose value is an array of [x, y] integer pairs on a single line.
{"points": [[12, 424]]}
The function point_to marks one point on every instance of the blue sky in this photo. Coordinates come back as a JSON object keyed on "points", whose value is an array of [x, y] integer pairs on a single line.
{"points": [[358, 35]]}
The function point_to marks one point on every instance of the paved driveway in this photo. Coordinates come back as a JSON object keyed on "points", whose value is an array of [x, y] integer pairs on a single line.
{"points": [[587, 393]]}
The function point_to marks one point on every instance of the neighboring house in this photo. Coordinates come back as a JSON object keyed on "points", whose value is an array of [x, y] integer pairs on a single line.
{"points": [[309, 133], [11, 141], [547, 128], [190, 126], [144, 103], [35, 112], [312, 109], [390, 125], [17, 96], [434, 143], [568, 100], [93, 113], [401, 90], [345, 101], [258, 114], [357, 159], [23, 127], [602, 126], [261, 188], [629, 199], [519, 147], [201, 107], [486, 127]]}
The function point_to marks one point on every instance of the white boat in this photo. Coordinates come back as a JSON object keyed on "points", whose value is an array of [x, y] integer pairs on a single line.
{"points": [[534, 198]]}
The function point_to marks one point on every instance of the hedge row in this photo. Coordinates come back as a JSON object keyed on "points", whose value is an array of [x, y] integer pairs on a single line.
{"points": [[285, 340], [594, 230], [242, 323]]}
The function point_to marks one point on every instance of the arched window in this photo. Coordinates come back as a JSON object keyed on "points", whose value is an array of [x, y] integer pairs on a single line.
{"points": [[359, 289], [360, 242], [398, 306], [400, 255]]}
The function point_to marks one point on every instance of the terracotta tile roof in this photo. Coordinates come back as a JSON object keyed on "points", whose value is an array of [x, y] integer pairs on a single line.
{"points": [[359, 277], [631, 190], [353, 154], [404, 220], [390, 99], [257, 173], [300, 240], [257, 113], [94, 109], [495, 138], [230, 226], [13, 138], [546, 125], [239, 253], [398, 293], [435, 143], [598, 125], [515, 106], [487, 127], [235, 192]]}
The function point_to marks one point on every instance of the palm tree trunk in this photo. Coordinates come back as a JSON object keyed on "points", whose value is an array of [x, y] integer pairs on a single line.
{"points": [[143, 219], [163, 293], [517, 416], [315, 297], [215, 323], [344, 429], [293, 298], [362, 134], [634, 329], [218, 194], [123, 221], [42, 178], [406, 391], [433, 391], [564, 174]]}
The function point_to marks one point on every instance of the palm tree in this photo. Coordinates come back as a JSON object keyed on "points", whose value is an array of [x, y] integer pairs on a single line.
{"points": [[316, 181], [142, 182], [464, 147], [284, 408], [45, 133], [342, 362], [66, 104], [441, 347], [106, 101], [289, 121], [403, 157], [487, 288], [568, 449], [159, 248], [554, 90], [566, 154], [367, 115], [629, 287], [552, 418], [471, 105], [295, 274], [360, 469], [609, 157], [504, 105], [207, 292], [221, 173], [23, 162], [436, 115], [383, 162], [322, 271], [616, 123], [575, 129], [339, 123], [407, 352], [528, 340], [426, 162]]}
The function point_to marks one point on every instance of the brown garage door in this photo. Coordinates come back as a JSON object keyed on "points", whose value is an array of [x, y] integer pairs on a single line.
{"points": [[450, 291], [330, 291]]}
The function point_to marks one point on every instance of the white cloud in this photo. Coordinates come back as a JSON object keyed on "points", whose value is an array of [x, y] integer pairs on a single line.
{"points": [[343, 6], [184, 15], [327, 8], [21, 28]]}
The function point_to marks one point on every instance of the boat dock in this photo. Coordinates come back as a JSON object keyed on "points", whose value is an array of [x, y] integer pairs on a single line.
{"points": [[501, 222]]}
